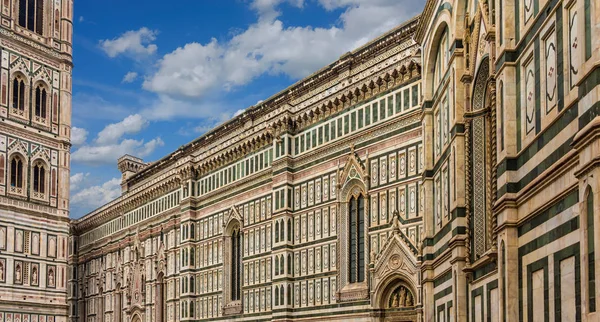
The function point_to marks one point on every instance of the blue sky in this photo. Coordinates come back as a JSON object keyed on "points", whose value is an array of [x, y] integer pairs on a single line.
{"points": [[150, 77]]}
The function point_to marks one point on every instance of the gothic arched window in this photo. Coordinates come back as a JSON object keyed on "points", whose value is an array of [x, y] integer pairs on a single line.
{"points": [[277, 231], [18, 99], [16, 172], [441, 60], [281, 231], [281, 296], [276, 265], [40, 101], [236, 259], [192, 284], [289, 228], [356, 213], [289, 264], [281, 265], [31, 15], [39, 178], [276, 295]]}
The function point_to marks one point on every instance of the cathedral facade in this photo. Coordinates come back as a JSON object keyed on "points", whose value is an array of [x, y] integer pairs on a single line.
{"points": [[446, 171], [35, 125]]}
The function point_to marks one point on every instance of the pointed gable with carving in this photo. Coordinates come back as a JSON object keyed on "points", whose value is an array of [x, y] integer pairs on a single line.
{"points": [[395, 263], [353, 169]]}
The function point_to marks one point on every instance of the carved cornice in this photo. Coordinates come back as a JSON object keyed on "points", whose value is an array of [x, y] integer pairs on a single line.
{"points": [[216, 146], [15, 38], [124, 204], [424, 20]]}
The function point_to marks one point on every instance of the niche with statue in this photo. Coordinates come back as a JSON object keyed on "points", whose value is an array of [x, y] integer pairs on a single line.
{"points": [[401, 297]]}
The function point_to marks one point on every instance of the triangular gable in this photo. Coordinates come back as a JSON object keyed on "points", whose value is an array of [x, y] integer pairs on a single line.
{"points": [[233, 214], [395, 256], [42, 154], [354, 168], [15, 145]]}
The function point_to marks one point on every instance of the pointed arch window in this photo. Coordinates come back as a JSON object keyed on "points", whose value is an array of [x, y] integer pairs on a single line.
{"points": [[16, 172], [236, 260], [39, 178], [281, 264], [281, 231], [289, 228], [31, 15], [41, 99], [441, 60], [356, 212], [18, 99]]}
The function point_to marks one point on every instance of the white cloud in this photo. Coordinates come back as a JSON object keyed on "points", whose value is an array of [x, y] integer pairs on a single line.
{"points": [[109, 153], [268, 46], [78, 180], [267, 9], [238, 112], [113, 132], [129, 77], [136, 43], [96, 196], [78, 136], [81, 19], [166, 107]]}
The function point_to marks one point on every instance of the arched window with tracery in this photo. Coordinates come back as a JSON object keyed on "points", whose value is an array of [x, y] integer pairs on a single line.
{"points": [[18, 96], [281, 231], [41, 99], [356, 214], [236, 260], [16, 172], [39, 178], [160, 307], [281, 295], [441, 61], [31, 15], [277, 231], [281, 265]]}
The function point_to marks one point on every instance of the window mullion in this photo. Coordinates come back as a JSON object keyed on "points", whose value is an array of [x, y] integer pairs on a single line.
{"points": [[355, 214]]}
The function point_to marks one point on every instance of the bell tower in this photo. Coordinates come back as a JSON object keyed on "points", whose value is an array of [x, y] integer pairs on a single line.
{"points": [[35, 129]]}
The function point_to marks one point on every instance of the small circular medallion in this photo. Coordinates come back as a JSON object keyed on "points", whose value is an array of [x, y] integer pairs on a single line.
{"points": [[395, 261]]}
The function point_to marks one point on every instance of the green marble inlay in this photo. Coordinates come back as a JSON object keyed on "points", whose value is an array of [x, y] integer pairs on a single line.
{"points": [[541, 264], [559, 256], [475, 293], [442, 279], [552, 210], [441, 294], [489, 287]]}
